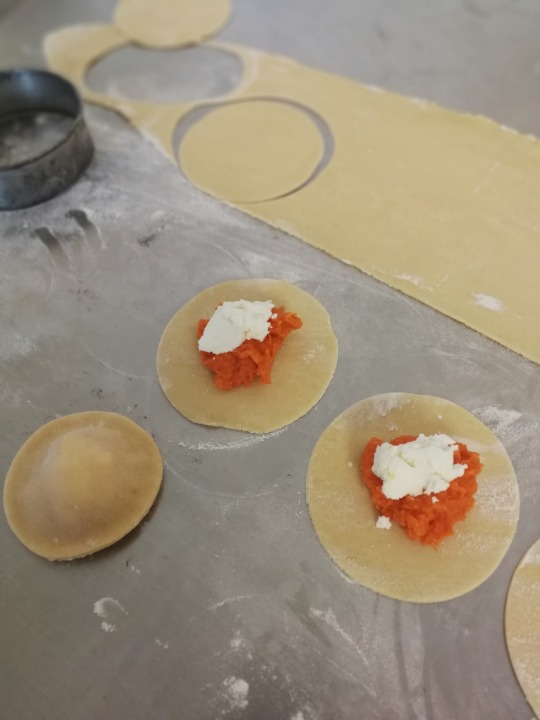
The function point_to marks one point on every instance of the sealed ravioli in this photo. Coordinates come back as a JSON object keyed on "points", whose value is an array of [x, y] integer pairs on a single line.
{"points": [[80, 483], [382, 557], [279, 341]]}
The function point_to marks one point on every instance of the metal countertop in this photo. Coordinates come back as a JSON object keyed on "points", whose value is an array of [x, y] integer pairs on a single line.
{"points": [[225, 581]]}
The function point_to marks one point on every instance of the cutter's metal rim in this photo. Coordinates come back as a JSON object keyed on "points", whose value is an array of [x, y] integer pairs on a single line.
{"points": [[50, 172]]}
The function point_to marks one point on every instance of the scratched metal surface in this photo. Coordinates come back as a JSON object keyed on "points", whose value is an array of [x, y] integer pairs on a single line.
{"points": [[225, 604]]}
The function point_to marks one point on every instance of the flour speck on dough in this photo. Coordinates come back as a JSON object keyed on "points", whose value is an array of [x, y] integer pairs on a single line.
{"points": [[488, 302], [413, 279], [501, 421]]}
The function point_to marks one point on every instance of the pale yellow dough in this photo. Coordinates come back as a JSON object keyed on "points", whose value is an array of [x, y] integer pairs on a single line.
{"points": [[80, 483], [302, 370], [522, 625], [440, 205], [387, 561], [277, 151], [171, 23]]}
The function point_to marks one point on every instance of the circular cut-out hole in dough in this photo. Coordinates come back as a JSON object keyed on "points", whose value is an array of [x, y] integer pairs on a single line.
{"points": [[387, 561], [302, 369], [251, 151], [80, 483], [522, 625], [166, 77], [171, 23]]}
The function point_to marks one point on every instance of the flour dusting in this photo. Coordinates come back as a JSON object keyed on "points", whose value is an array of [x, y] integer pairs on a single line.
{"points": [[253, 439], [298, 716], [383, 404], [237, 691], [14, 345], [501, 421], [414, 279], [108, 627], [312, 353], [227, 601], [488, 302], [329, 617], [106, 605]]}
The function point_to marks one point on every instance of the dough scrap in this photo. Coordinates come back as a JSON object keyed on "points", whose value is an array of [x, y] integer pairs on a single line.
{"points": [[80, 483], [522, 625], [171, 23], [388, 562], [277, 151], [301, 372]]}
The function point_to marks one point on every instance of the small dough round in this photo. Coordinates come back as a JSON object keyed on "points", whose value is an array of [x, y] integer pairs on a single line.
{"points": [[80, 483], [387, 561], [252, 151], [522, 625], [171, 23], [302, 370]]}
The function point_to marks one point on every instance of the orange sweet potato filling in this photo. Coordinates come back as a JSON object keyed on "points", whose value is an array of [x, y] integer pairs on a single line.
{"points": [[253, 358], [419, 516]]}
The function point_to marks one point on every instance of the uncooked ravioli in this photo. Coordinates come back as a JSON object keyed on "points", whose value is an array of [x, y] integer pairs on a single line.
{"points": [[302, 369], [80, 483], [522, 625], [387, 561]]}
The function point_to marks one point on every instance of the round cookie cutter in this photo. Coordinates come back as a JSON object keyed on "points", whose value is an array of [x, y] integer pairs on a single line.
{"points": [[48, 173]]}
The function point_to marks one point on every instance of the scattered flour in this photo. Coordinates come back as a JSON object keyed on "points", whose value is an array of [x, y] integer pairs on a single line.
{"points": [[109, 610], [328, 616], [383, 404], [162, 643], [108, 627], [237, 691], [488, 302], [227, 601], [14, 345], [238, 642], [298, 716], [414, 279], [234, 444], [500, 421], [330, 619], [103, 607], [313, 353]]}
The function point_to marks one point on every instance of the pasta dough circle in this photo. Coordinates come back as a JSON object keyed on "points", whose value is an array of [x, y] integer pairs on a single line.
{"points": [[302, 369], [80, 483], [171, 23], [522, 625], [252, 151], [387, 561]]}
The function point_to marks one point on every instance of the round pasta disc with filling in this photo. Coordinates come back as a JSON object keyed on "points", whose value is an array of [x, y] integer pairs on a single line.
{"points": [[80, 483], [522, 625], [302, 369], [387, 561]]}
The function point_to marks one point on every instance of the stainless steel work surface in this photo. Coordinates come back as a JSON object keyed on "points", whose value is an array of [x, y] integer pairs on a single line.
{"points": [[223, 604]]}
